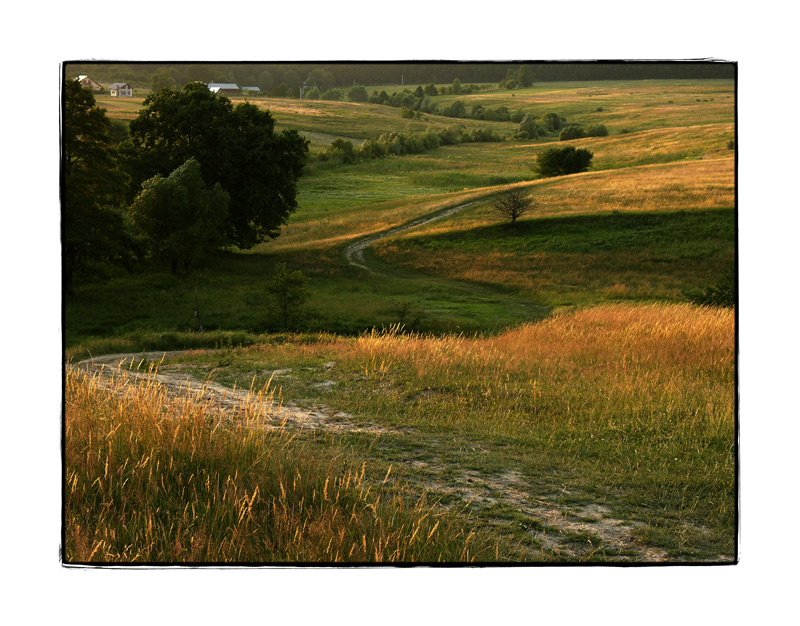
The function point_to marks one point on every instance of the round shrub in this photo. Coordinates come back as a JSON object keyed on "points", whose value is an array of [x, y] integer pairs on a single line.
{"points": [[573, 131], [596, 130]]}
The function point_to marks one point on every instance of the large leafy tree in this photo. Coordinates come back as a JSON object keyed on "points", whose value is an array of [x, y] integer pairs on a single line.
{"points": [[237, 147], [179, 219], [92, 228]]}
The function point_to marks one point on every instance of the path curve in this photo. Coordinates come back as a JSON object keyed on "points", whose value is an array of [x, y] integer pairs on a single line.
{"points": [[117, 372], [354, 252]]}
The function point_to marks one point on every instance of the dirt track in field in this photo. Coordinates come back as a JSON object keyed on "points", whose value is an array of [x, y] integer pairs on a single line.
{"points": [[119, 371], [354, 253], [115, 368]]}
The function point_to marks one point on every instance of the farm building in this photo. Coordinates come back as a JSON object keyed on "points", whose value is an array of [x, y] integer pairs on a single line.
{"points": [[121, 90], [251, 89], [223, 87], [85, 81]]}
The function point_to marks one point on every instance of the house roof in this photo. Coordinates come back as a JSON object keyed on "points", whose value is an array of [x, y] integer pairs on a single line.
{"points": [[117, 85], [251, 89], [218, 86]]}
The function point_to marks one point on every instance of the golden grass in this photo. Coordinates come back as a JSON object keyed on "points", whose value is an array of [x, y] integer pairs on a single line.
{"points": [[689, 185], [612, 362], [153, 479]]}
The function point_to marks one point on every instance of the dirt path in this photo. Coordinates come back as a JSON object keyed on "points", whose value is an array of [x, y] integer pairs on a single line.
{"points": [[553, 526], [126, 368], [354, 253]]}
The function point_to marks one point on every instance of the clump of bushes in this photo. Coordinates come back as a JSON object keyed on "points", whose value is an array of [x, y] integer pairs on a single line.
{"points": [[562, 161], [531, 127], [572, 131], [597, 130]]}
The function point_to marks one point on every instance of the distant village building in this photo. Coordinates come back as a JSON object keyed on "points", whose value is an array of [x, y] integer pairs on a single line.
{"points": [[85, 81], [121, 90], [251, 89], [223, 87]]}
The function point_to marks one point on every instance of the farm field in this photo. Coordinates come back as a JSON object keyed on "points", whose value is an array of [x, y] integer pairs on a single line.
{"points": [[473, 390]]}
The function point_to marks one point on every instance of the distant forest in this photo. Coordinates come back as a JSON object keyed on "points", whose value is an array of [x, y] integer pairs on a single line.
{"points": [[267, 76]]}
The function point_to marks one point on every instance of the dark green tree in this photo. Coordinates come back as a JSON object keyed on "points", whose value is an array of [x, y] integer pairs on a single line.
{"points": [[596, 130], [92, 227], [573, 131], [180, 220], [552, 121], [236, 147], [431, 90], [524, 76], [530, 128], [562, 161], [357, 93]]}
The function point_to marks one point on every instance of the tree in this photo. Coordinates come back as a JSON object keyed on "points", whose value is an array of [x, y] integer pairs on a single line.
{"points": [[596, 130], [92, 227], [431, 90], [236, 147], [525, 76], [180, 220], [357, 93], [530, 128], [562, 161], [573, 131], [513, 203], [289, 293]]}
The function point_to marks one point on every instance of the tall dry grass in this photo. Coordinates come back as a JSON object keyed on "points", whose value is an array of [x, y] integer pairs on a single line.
{"points": [[664, 366], [154, 479], [633, 400]]}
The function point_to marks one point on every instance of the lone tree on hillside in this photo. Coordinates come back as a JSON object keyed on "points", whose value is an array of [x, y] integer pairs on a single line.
{"points": [[236, 147], [513, 203]]}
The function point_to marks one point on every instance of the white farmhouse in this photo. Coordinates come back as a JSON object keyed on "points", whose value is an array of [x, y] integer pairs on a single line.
{"points": [[121, 90]]}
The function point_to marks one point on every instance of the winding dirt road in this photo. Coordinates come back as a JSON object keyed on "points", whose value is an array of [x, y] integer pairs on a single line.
{"points": [[354, 253]]}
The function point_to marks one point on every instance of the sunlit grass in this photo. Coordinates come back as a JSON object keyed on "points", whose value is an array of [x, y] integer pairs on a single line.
{"points": [[153, 479], [632, 402]]}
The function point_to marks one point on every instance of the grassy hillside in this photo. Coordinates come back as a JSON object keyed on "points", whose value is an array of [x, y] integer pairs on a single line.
{"points": [[545, 390]]}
